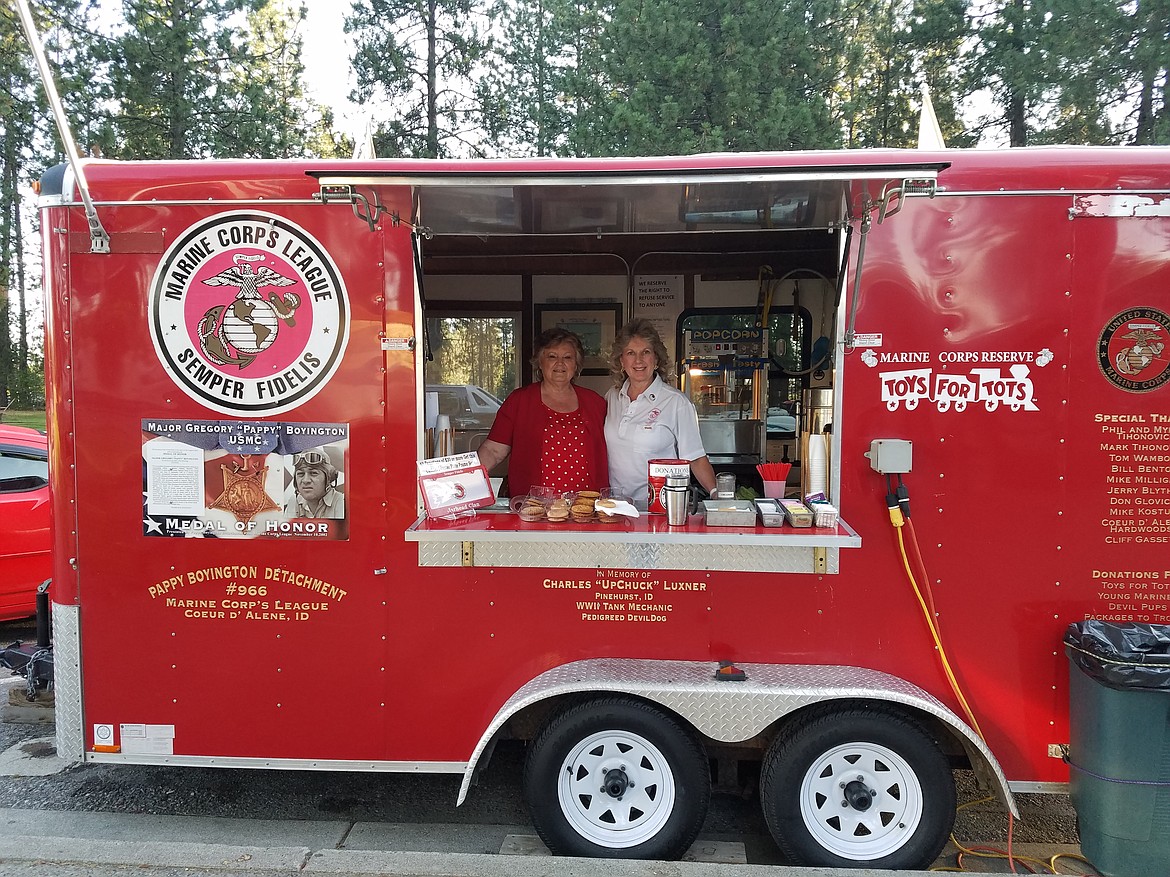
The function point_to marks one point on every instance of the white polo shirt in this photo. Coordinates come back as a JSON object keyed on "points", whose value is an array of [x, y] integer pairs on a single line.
{"points": [[660, 424]]}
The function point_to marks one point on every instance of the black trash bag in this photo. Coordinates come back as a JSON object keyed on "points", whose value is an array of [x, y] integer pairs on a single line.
{"points": [[1122, 656]]}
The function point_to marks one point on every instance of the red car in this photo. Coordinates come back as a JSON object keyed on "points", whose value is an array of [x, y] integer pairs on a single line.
{"points": [[24, 519]]}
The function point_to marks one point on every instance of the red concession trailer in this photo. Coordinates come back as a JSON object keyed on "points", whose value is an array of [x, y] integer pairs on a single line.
{"points": [[978, 337]]}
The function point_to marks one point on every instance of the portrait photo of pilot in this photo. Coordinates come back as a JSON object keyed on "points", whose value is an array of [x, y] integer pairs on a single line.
{"points": [[316, 489]]}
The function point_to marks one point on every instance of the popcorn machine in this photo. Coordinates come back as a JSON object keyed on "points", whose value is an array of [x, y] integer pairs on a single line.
{"points": [[725, 375]]}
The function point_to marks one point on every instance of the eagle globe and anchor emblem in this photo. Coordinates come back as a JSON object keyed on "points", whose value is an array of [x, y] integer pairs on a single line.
{"points": [[236, 333], [249, 313]]}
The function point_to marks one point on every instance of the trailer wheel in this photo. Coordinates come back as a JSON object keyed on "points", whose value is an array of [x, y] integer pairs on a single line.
{"points": [[616, 778], [858, 788]]}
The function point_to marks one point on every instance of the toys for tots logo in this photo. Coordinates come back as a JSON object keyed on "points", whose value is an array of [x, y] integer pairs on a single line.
{"points": [[248, 313]]}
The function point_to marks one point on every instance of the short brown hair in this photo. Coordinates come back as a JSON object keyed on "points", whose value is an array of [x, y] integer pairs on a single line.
{"points": [[644, 329], [551, 338]]}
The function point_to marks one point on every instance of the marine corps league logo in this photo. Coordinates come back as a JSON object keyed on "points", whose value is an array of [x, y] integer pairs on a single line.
{"points": [[1132, 350], [248, 313]]}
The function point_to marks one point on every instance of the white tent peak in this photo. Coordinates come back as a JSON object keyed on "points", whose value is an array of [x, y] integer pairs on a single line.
{"points": [[929, 134]]}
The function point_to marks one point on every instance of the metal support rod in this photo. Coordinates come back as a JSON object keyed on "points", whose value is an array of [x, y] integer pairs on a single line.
{"points": [[99, 239], [865, 224]]}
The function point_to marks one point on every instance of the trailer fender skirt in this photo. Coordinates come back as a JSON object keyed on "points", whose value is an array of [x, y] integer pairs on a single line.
{"points": [[736, 712]]}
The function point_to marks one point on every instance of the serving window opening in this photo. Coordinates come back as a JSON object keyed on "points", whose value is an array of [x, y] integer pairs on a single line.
{"points": [[741, 272]]}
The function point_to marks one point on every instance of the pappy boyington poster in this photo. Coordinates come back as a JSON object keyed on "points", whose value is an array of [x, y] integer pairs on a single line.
{"points": [[244, 479]]}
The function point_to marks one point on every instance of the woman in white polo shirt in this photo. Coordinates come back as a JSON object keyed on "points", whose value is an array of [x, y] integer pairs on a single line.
{"points": [[647, 418]]}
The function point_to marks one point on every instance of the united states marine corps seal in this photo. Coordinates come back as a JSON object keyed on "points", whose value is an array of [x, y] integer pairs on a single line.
{"points": [[248, 313], [1132, 350]]}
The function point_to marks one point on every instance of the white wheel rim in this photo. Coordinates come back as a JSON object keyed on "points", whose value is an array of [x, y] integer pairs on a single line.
{"points": [[847, 829], [645, 804]]}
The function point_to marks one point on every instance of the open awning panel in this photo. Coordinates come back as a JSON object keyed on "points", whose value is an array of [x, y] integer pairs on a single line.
{"points": [[631, 196]]}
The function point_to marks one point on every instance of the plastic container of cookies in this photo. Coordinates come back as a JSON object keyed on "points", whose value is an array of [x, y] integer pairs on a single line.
{"points": [[576, 508], [529, 508]]}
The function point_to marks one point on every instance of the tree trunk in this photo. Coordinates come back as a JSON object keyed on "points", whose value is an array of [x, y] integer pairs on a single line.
{"points": [[432, 82], [1017, 106], [9, 207]]}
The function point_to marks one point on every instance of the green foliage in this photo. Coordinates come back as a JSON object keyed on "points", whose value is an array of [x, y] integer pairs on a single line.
{"points": [[270, 115], [187, 80], [684, 76], [474, 350], [1057, 70], [32, 417], [936, 33], [1147, 70], [28, 144], [525, 102], [416, 59]]}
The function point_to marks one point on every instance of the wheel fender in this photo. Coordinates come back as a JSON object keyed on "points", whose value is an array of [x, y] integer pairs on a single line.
{"points": [[732, 712]]}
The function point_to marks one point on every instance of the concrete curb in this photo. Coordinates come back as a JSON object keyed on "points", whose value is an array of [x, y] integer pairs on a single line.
{"points": [[120, 840], [167, 854], [301, 860]]}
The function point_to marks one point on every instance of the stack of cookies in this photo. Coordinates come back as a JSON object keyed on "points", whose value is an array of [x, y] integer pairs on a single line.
{"points": [[605, 515], [582, 508], [532, 509], [558, 510]]}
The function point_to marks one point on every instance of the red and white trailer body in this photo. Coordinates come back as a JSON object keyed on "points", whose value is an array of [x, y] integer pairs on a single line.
{"points": [[995, 320]]}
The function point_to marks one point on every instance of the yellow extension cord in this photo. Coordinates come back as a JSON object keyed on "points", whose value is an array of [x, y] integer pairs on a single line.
{"points": [[1028, 861], [899, 521]]}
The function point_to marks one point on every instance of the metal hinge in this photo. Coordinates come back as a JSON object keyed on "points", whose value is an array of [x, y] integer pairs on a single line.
{"points": [[894, 195], [346, 193]]}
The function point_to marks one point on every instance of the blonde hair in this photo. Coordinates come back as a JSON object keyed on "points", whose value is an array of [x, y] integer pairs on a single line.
{"points": [[644, 329]]}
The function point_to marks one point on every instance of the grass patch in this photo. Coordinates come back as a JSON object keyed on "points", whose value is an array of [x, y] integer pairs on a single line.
{"points": [[35, 419]]}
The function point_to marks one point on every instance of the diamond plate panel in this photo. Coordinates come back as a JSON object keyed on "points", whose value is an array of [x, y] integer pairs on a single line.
{"points": [[730, 712], [67, 681], [440, 554], [629, 555]]}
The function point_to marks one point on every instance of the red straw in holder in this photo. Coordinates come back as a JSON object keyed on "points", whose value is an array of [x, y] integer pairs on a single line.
{"points": [[773, 471], [774, 476]]}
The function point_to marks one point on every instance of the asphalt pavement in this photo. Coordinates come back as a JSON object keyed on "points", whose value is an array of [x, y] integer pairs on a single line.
{"points": [[157, 821], [104, 844]]}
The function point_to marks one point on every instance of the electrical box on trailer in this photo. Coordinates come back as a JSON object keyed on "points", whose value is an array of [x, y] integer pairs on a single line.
{"points": [[890, 456]]}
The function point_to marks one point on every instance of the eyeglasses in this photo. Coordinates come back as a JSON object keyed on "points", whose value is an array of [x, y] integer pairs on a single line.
{"points": [[310, 458]]}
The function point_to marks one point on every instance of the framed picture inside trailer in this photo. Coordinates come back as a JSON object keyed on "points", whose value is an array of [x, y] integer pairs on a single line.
{"points": [[595, 322]]}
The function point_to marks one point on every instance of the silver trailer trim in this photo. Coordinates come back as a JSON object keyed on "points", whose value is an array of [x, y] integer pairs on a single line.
{"points": [[67, 681], [733, 712], [354, 765]]}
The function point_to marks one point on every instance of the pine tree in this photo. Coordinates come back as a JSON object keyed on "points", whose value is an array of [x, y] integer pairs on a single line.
{"points": [[876, 88], [27, 147], [687, 76], [936, 33], [272, 117], [417, 58], [525, 100], [1149, 70], [165, 72], [1055, 69]]}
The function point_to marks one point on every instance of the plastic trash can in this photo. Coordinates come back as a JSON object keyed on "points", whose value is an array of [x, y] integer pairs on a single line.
{"points": [[1119, 744]]}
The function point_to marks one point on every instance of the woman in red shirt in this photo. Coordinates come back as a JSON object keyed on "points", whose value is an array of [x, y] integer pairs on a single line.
{"points": [[553, 429]]}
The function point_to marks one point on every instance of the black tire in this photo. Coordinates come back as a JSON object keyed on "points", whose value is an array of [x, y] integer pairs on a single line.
{"points": [[858, 788], [656, 773]]}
